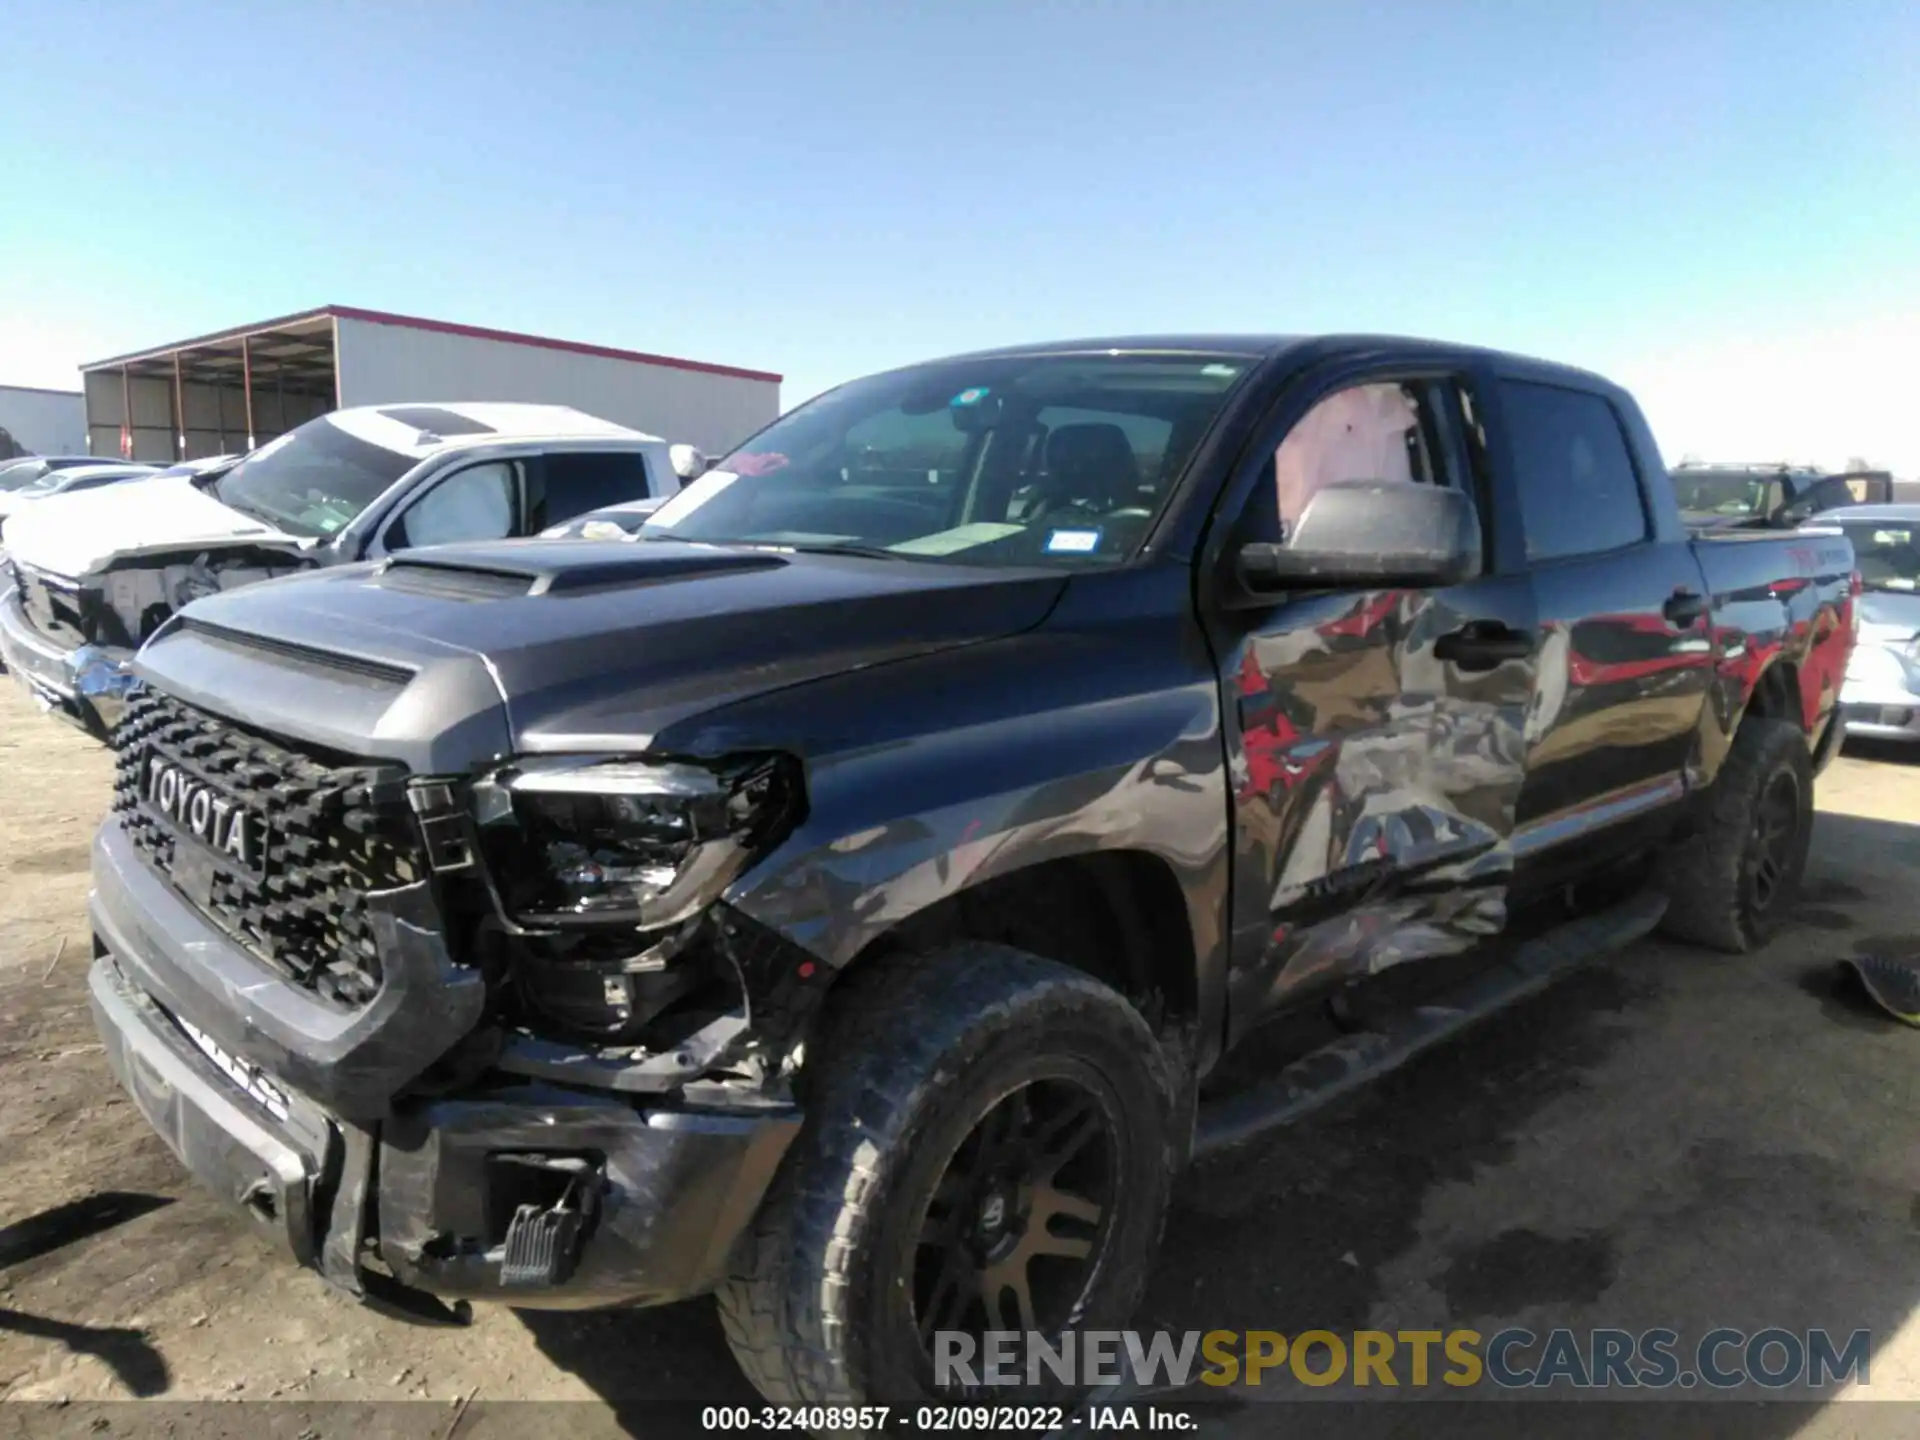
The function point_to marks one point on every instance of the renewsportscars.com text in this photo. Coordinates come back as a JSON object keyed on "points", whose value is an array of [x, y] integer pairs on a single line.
{"points": [[1720, 1359]]}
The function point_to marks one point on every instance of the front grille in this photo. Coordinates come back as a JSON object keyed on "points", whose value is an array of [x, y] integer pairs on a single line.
{"points": [[325, 834]]}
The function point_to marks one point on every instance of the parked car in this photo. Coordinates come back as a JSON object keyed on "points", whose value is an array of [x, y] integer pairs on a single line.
{"points": [[92, 576], [205, 465], [1720, 496], [615, 522], [837, 898], [1881, 699], [25, 469], [68, 480]]}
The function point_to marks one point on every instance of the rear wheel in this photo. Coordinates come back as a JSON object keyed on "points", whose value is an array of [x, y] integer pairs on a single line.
{"points": [[987, 1150], [1732, 882]]}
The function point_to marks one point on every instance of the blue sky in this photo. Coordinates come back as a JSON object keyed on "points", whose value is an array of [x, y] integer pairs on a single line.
{"points": [[1717, 203]]}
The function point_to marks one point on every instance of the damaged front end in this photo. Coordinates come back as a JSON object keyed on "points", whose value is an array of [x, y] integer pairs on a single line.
{"points": [[610, 1130], [70, 639], [523, 1050]]}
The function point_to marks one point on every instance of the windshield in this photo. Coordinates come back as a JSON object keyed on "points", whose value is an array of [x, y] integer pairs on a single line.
{"points": [[1015, 460], [313, 480], [19, 477], [1724, 492], [1885, 553], [52, 482]]}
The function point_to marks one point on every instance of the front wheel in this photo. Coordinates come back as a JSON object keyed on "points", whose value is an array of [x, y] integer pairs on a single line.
{"points": [[1732, 882], [986, 1149]]}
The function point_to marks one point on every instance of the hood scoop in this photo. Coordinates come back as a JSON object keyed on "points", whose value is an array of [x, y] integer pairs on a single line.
{"points": [[513, 569]]}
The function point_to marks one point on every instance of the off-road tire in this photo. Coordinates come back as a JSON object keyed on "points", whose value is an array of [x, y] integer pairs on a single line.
{"points": [[907, 1056], [1712, 895]]}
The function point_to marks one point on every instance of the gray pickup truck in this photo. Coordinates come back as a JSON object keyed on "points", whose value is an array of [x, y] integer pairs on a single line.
{"points": [[841, 894]]}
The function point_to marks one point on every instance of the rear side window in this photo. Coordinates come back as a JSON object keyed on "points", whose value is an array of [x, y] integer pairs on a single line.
{"points": [[587, 481], [1579, 494]]}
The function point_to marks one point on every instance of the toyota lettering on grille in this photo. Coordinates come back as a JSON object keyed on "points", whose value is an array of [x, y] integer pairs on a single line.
{"points": [[197, 808]]}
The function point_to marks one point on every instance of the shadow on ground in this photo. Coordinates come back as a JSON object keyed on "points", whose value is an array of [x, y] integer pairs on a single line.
{"points": [[1731, 1218], [128, 1353]]}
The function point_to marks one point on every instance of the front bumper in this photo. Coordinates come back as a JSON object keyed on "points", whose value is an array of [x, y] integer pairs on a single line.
{"points": [[1880, 700], [86, 686], [432, 1193]]}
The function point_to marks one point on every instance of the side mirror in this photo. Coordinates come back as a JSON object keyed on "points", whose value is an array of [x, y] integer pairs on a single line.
{"points": [[1368, 534], [688, 463]]}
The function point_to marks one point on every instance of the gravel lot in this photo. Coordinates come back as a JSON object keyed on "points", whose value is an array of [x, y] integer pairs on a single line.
{"points": [[1668, 1138]]}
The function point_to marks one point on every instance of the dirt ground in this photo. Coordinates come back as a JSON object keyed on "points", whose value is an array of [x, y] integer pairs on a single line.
{"points": [[1666, 1139]]}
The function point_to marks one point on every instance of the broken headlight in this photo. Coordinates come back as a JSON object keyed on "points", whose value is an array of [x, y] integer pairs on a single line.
{"points": [[640, 843]]}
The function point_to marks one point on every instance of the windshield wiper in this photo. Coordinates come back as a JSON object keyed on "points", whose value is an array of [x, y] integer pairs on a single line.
{"points": [[803, 547], [847, 547]]}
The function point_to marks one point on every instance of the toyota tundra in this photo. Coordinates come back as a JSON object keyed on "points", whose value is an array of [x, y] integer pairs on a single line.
{"points": [[841, 895]]}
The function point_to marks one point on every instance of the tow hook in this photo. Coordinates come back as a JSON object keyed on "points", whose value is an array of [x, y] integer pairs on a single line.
{"points": [[543, 1242]]}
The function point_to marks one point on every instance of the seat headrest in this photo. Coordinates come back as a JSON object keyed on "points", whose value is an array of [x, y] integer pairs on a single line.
{"points": [[1092, 460]]}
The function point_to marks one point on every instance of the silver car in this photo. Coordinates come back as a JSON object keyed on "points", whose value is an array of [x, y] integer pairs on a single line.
{"points": [[1881, 698]]}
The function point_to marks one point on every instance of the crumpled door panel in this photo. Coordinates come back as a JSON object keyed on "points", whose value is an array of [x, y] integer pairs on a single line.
{"points": [[1375, 789]]}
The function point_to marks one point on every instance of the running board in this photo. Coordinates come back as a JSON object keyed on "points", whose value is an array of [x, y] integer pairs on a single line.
{"points": [[1354, 1060]]}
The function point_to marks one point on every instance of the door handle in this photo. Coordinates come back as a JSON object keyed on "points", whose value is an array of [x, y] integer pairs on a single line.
{"points": [[1686, 608], [1483, 644]]}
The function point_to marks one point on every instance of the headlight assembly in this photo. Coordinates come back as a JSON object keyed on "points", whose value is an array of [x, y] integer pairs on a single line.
{"points": [[604, 840]]}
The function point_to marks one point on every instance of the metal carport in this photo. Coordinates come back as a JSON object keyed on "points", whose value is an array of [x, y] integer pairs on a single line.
{"points": [[238, 388]]}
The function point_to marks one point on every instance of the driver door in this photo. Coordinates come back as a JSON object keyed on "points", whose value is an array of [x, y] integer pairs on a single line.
{"points": [[1375, 739]]}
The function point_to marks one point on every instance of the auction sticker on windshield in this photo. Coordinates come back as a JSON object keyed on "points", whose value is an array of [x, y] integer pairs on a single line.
{"points": [[1073, 542]]}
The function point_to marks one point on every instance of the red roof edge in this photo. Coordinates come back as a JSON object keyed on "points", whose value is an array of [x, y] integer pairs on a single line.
{"points": [[212, 338], [443, 327], [575, 347]]}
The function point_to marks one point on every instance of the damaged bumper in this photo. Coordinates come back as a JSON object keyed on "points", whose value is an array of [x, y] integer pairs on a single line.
{"points": [[553, 1181], [87, 686]]}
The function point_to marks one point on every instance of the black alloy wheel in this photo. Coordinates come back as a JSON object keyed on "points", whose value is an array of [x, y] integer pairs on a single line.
{"points": [[1777, 824], [1011, 1236]]}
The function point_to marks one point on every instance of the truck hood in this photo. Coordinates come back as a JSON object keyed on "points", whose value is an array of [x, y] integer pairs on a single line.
{"points": [[445, 658], [71, 535], [1893, 611]]}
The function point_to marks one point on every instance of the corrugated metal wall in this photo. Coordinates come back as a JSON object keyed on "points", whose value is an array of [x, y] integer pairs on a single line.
{"points": [[47, 422], [384, 364], [216, 416]]}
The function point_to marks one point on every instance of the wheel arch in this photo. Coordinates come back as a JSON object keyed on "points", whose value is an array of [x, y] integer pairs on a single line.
{"points": [[1118, 915], [1776, 695]]}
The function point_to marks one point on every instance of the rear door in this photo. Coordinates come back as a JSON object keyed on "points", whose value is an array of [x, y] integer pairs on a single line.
{"points": [[1374, 738], [1625, 658]]}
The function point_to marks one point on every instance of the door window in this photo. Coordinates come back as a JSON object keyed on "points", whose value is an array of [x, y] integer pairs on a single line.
{"points": [[588, 480], [1579, 492], [1377, 431], [475, 504]]}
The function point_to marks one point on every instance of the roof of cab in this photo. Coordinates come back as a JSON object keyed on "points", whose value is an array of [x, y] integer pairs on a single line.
{"points": [[430, 427], [1304, 348]]}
